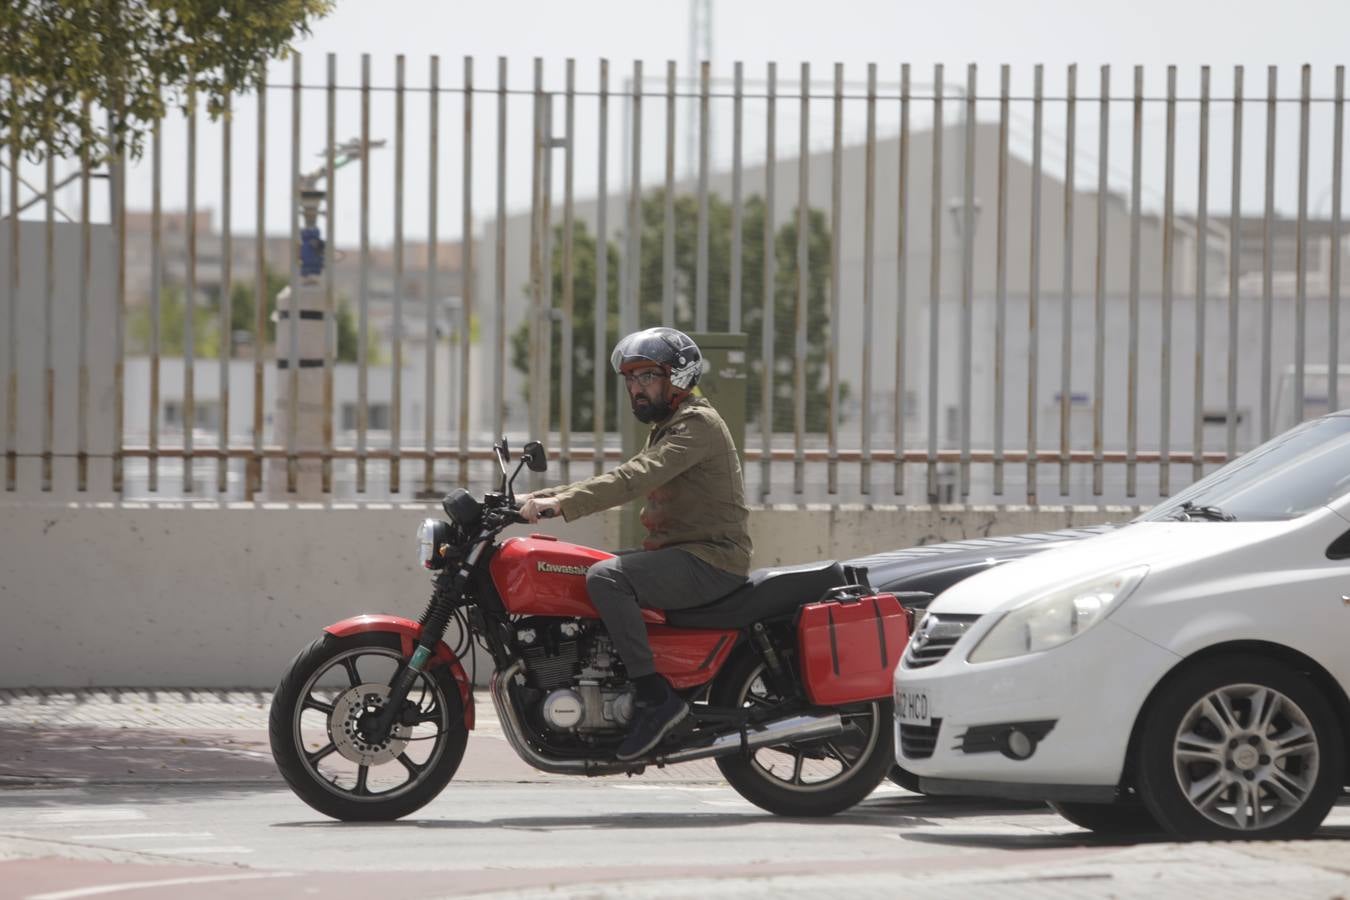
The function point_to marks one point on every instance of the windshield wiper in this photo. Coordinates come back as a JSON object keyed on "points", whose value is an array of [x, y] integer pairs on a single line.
{"points": [[1189, 511]]}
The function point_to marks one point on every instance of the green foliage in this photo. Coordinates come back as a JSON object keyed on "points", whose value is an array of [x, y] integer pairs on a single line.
{"points": [[585, 356], [172, 326], [131, 60]]}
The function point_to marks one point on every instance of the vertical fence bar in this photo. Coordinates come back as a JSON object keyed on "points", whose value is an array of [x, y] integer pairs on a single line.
{"points": [[225, 342], [836, 224], [1268, 255], [1234, 264], [934, 285], [668, 228], [568, 300], [293, 292], [1034, 289], [803, 283], [869, 273], [396, 364], [468, 276], [363, 314], [1169, 253], [546, 310], [1099, 287], [701, 263], [48, 302], [82, 383], [901, 284], [190, 300], [967, 278], [1001, 279], [539, 380], [12, 308], [118, 183], [1132, 374], [1201, 284], [1334, 295], [499, 357], [329, 304], [1301, 251], [737, 115], [601, 276], [156, 288], [432, 295], [769, 293], [1066, 285], [631, 314], [255, 463]]}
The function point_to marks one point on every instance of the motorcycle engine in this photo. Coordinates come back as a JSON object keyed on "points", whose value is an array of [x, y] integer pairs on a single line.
{"points": [[573, 666]]}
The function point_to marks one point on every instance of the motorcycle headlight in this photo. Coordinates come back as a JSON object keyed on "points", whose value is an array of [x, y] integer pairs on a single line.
{"points": [[1051, 619], [433, 539]]}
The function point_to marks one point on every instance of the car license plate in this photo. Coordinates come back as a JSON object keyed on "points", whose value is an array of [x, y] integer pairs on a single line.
{"points": [[911, 708]]}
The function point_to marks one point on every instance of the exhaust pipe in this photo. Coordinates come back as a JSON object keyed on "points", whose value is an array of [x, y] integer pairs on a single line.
{"points": [[791, 728]]}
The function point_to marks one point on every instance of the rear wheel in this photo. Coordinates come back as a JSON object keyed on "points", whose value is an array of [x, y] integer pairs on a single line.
{"points": [[1126, 817], [317, 730], [810, 778], [1240, 748]]}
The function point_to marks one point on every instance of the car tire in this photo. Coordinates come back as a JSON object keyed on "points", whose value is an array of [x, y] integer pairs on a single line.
{"points": [[904, 778], [1126, 817], [1237, 747]]}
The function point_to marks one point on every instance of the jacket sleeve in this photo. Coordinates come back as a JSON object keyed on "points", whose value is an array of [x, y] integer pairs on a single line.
{"points": [[682, 445]]}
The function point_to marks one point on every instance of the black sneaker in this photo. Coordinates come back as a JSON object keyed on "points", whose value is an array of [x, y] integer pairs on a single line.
{"points": [[652, 724]]}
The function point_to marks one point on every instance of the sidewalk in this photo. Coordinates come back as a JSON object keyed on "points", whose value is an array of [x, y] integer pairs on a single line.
{"points": [[145, 736]]}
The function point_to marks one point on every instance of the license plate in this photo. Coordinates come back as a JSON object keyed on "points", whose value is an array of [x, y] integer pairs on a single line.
{"points": [[911, 708]]}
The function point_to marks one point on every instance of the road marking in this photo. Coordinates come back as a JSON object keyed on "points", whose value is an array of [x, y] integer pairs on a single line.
{"points": [[98, 890], [199, 850], [71, 816], [141, 834]]}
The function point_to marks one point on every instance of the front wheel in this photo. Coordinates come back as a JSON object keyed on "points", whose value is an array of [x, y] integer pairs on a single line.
{"points": [[1240, 748], [1123, 817], [808, 778], [317, 730]]}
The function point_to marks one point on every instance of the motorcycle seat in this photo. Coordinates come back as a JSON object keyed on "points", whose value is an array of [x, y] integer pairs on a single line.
{"points": [[766, 594]]}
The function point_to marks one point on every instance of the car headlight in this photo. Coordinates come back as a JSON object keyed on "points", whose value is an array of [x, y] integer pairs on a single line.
{"points": [[432, 536], [1051, 619]]}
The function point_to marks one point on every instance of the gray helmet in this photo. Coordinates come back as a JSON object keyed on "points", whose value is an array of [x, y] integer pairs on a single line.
{"points": [[666, 347]]}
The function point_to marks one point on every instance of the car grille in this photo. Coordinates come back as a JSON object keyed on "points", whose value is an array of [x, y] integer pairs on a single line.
{"points": [[918, 741], [935, 638]]}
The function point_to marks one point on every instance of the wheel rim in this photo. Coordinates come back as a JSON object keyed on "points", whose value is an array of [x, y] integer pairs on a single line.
{"points": [[816, 765], [326, 727], [1246, 757]]}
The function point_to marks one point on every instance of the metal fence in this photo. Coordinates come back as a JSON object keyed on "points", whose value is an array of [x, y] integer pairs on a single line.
{"points": [[913, 336]]}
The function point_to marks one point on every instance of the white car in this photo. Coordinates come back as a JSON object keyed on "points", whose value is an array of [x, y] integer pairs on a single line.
{"points": [[1189, 670]]}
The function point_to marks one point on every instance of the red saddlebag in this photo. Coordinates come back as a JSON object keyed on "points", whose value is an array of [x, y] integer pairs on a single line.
{"points": [[850, 643]]}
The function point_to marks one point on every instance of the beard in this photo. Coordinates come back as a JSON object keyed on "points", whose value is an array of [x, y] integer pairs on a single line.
{"points": [[650, 411]]}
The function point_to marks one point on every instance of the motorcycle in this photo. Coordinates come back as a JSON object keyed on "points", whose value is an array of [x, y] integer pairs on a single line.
{"points": [[788, 693]]}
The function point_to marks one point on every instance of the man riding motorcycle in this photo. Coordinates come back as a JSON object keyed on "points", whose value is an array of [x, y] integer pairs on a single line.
{"points": [[698, 545]]}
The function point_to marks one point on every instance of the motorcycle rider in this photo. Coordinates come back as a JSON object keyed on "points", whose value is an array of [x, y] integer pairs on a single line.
{"points": [[697, 548]]}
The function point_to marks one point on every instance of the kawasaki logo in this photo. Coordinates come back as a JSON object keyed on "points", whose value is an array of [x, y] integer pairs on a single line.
{"points": [[561, 570]]}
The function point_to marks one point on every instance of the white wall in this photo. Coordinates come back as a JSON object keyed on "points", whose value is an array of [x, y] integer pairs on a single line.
{"points": [[223, 595]]}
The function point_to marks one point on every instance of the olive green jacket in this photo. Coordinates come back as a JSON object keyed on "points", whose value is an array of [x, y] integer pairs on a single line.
{"points": [[690, 474]]}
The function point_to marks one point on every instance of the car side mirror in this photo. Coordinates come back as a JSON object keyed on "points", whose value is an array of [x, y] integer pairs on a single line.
{"points": [[536, 458]]}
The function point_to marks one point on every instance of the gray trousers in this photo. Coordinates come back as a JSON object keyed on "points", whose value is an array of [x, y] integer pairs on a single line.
{"points": [[668, 578]]}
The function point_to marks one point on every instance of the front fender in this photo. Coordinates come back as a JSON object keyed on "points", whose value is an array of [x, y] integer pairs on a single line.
{"points": [[408, 632]]}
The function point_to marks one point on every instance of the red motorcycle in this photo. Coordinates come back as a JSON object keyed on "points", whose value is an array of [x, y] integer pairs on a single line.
{"points": [[788, 678]]}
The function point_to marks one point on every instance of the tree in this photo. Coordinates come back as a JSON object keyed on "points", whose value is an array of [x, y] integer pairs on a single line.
{"points": [[131, 59], [584, 356]]}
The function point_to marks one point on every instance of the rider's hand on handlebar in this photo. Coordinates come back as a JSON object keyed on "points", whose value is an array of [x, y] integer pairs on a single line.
{"points": [[536, 508]]}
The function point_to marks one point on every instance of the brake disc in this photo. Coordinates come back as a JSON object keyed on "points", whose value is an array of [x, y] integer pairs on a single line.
{"points": [[344, 726]]}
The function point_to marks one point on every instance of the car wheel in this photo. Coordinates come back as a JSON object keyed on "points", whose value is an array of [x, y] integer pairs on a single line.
{"points": [[1126, 817], [1240, 748], [904, 778]]}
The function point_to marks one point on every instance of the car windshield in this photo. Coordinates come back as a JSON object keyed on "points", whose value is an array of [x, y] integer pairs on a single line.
{"points": [[1286, 477]]}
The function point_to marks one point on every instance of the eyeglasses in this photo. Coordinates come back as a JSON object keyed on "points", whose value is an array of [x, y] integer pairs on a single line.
{"points": [[643, 378]]}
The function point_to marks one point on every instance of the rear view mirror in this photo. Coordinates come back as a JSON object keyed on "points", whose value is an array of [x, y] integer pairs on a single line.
{"points": [[535, 456]]}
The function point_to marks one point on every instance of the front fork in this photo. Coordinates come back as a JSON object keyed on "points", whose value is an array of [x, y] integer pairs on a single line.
{"points": [[434, 622]]}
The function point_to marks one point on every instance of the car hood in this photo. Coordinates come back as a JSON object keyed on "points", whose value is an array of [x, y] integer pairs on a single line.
{"points": [[1159, 545]]}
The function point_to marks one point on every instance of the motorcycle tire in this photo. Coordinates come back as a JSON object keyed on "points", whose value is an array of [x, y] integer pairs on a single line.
{"points": [[756, 778], [300, 768]]}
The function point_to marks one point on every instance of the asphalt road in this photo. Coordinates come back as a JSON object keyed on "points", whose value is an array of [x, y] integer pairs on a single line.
{"points": [[190, 807]]}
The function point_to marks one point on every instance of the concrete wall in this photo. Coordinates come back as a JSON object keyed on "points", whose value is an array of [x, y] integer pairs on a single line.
{"points": [[223, 595]]}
